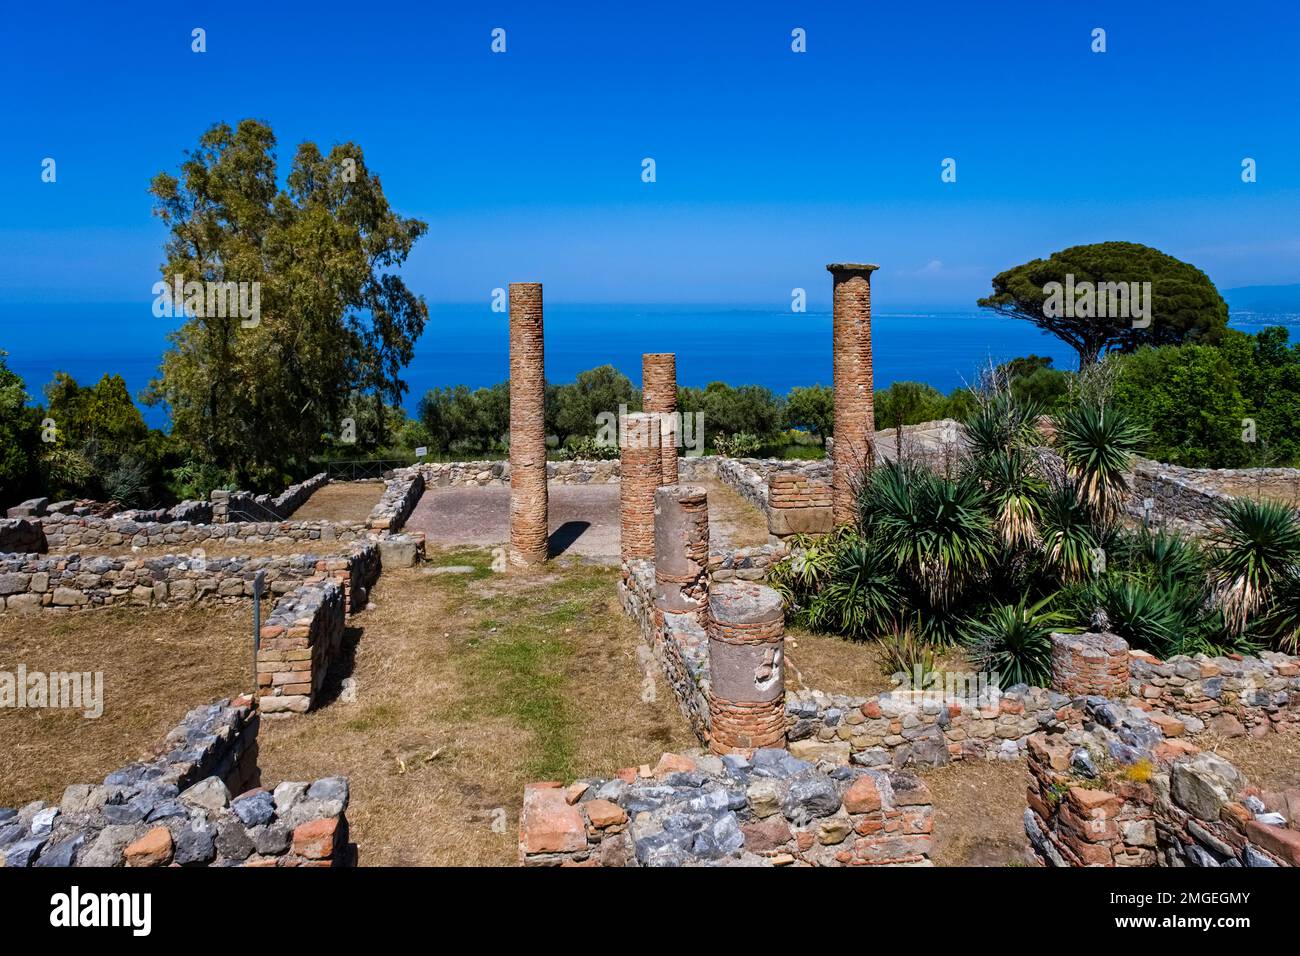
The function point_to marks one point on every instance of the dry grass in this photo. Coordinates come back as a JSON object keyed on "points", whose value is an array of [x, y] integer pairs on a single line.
{"points": [[341, 501], [1271, 762], [733, 521], [841, 665], [979, 810], [157, 665], [468, 687]]}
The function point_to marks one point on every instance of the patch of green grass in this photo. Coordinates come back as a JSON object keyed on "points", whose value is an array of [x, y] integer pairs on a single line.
{"points": [[373, 717]]}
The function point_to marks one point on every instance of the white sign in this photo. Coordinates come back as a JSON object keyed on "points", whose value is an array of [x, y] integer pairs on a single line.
{"points": [[421, 452]]}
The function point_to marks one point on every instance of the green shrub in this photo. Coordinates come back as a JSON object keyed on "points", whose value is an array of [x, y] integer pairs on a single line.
{"points": [[1015, 642]]}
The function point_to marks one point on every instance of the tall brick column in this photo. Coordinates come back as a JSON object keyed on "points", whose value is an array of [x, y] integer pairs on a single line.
{"points": [[746, 667], [682, 550], [854, 405], [659, 396], [640, 471], [528, 521]]}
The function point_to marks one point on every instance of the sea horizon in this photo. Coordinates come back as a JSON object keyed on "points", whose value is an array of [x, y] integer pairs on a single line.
{"points": [[467, 344]]}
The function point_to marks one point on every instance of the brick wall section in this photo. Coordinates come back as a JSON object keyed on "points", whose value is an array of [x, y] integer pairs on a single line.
{"points": [[798, 504], [303, 634], [197, 802], [659, 397], [746, 629], [767, 809], [852, 369], [641, 474], [528, 502], [1090, 664]]}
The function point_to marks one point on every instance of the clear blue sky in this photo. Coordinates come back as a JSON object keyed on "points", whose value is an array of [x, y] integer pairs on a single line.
{"points": [[770, 164]]}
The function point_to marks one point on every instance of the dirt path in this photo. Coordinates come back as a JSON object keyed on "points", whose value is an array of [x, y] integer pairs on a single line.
{"points": [[341, 501], [467, 687]]}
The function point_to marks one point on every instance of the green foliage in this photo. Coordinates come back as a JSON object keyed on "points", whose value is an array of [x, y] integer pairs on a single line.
{"points": [[936, 530], [1098, 444], [748, 409], [18, 437], [1255, 547], [1069, 542], [576, 407], [1015, 642], [739, 445], [862, 595], [1185, 306], [905, 651], [333, 317], [811, 409], [475, 422], [588, 449]]}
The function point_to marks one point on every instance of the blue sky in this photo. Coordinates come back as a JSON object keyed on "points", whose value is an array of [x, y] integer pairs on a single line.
{"points": [[770, 164]]}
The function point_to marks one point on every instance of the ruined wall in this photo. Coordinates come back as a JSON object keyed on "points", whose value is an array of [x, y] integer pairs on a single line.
{"points": [[67, 533], [246, 506], [1228, 696], [401, 494], [22, 536], [298, 641], [770, 809], [798, 504], [177, 808], [71, 582], [1117, 792]]}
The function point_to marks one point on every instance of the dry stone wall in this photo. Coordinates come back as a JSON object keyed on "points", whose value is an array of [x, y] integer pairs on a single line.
{"points": [[67, 533], [177, 808], [22, 536], [73, 582], [1229, 696], [246, 506], [767, 809], [401, 494], [299, 640]]}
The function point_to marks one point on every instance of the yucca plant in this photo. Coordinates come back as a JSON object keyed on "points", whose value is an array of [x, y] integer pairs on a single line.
{"points": [[903, 651], [935, 529], [801, 576], [1069, 541], [1000, 424], [1149, 618], [1171, 559], [862, 595], [1255, 546], [1281, 625], [1015, 489], [1098, 444], [1015, 642]]}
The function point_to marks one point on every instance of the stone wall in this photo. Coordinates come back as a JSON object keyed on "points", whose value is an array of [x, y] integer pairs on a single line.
{"points": [[1188, 499], [1118, 792], [1090, 664], [21, 536], [298, 641], [745, 564], [770, 809], [176, 808], [189, 512], [68, 533], [401, 494], [245, 506], [72, 582], [1228, 696]]}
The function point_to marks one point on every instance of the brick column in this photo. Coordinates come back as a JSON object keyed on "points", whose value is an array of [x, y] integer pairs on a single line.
{"points": [[640, 471], [854, 405], [1084, 664], [659, 396], [682, 551], [746, 667], [528, 522]]}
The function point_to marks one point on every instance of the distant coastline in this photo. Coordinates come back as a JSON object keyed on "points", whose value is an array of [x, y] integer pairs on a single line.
{"points": [[466, 344]]}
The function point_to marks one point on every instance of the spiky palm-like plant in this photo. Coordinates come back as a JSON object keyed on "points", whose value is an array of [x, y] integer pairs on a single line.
{"points": [[1015, 642], [1281, 626], [1069, 542], [935, 529], [903, 651], [862, 595], [1256, 546], [1098, 443], [1015, 489], [1149, 618], [1000, 424]]}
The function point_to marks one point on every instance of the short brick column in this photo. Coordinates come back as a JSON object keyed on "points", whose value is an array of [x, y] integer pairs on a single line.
{"points": [[797, 504], [528, 521], [854, 400], [682, 551], [640, 471], [746, 630], [659, 396], [1084, 664]]}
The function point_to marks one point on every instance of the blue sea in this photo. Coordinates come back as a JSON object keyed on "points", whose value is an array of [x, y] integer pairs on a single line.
{"points": [[467, 344]]}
